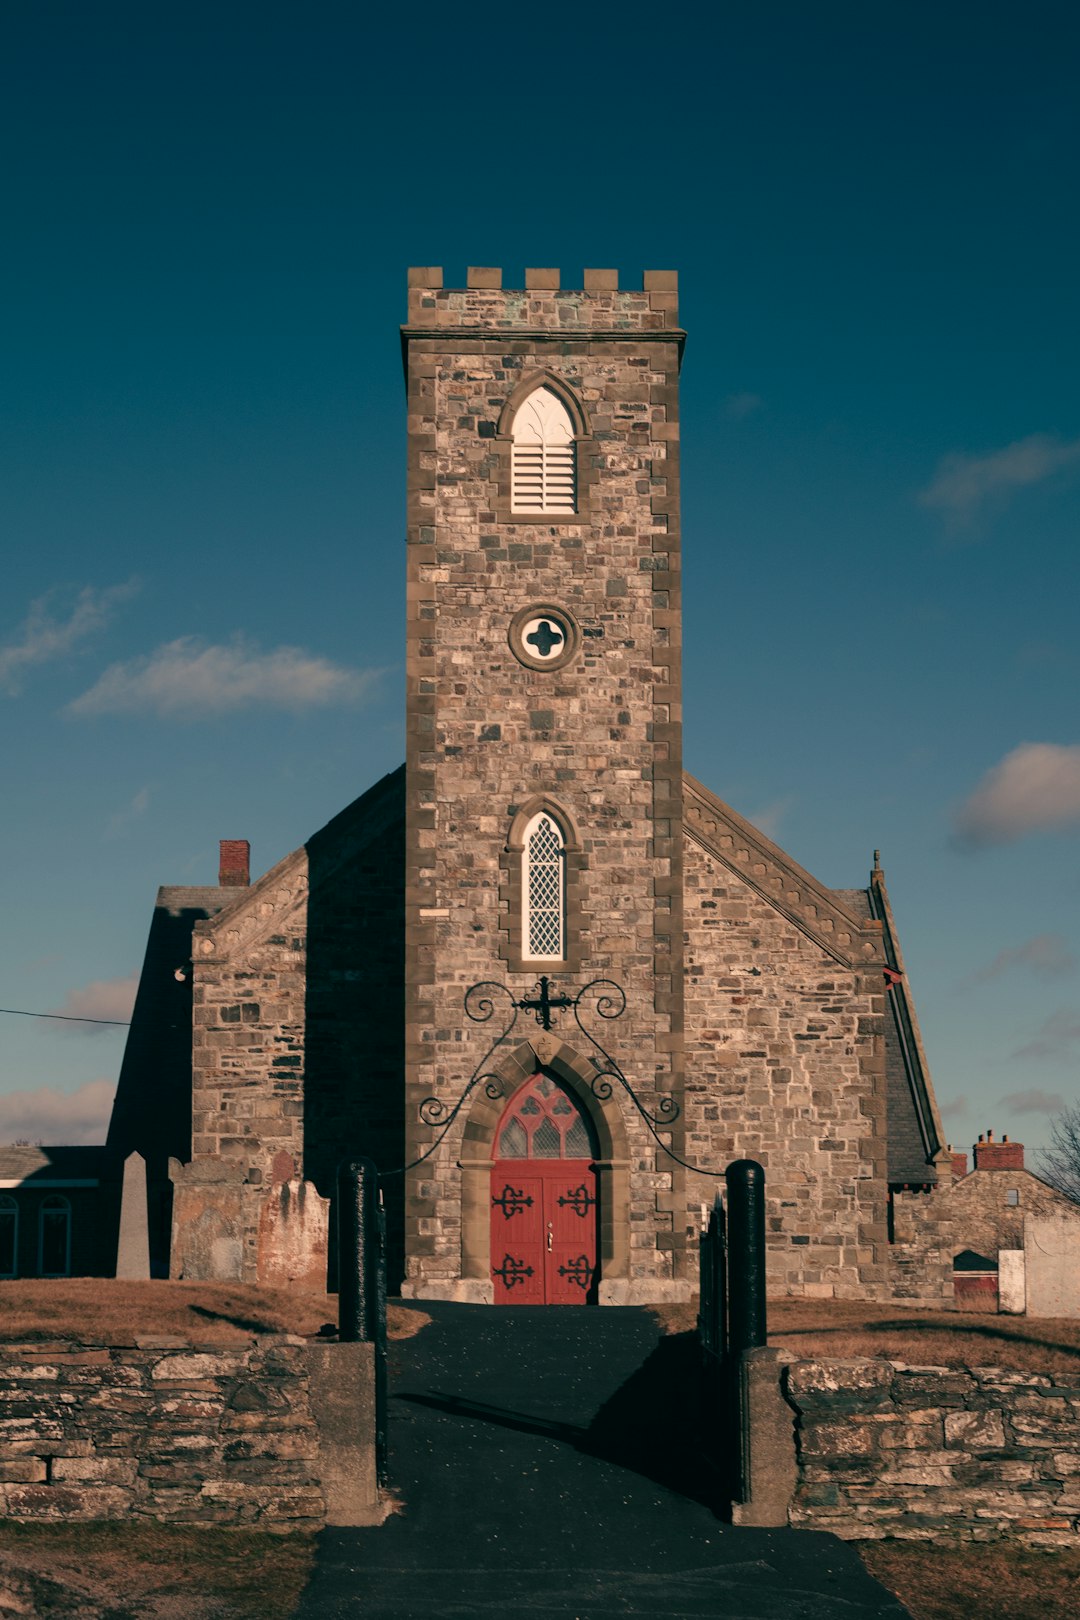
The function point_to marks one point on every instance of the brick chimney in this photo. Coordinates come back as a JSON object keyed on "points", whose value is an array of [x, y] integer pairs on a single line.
{"points": [[959, 1163], [1003, 1155], [234, 863]]}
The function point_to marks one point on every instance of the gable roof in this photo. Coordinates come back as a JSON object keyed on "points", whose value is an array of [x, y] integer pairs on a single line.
{"points": [[851, 938], [58, 1166], [855, 927], [257, 912]]}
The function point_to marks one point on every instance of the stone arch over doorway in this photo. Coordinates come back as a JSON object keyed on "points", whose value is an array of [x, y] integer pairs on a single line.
{"points": [[575, 1073]]}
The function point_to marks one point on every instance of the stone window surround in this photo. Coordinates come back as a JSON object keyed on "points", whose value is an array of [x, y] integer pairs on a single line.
{"points": [[584, 451], [575, 1074], [540, 610], [511, 890]]}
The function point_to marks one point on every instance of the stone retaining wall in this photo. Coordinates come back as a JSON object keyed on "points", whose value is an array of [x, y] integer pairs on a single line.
{"points": [[183, 1433], [932, 1453]]}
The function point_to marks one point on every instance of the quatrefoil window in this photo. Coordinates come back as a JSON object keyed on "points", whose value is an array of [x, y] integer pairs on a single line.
{"points": [[543, 636]]}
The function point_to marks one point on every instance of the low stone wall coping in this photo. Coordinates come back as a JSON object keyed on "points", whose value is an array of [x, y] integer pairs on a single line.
{"points": [[187, 1432], [934, 1453]]}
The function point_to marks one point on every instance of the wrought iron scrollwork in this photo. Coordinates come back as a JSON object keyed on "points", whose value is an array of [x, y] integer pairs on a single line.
{"points": [[513, 1201], [610, 999], [579, 1199], [481, 1008], [512, 1271], [578, 1271], [603, 998]]}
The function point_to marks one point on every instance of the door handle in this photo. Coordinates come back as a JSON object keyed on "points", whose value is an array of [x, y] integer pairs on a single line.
{"points": [[549, 1243]]}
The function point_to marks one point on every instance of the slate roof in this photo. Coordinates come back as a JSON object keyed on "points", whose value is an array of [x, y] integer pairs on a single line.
{"points": [[914, 1126], [152, 1110], [30, 1165]]}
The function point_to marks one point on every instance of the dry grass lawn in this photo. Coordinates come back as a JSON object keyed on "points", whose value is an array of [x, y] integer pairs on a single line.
{"points": [[103, 1311], [153, 1572], [998, 1581], [986, 1582], [846, 1329]]}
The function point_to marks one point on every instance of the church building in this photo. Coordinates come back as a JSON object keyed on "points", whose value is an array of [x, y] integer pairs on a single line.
{"points": [[546, 980]]}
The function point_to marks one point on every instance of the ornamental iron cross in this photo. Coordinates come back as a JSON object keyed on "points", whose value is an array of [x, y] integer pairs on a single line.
{"points": [[544, 1002]]}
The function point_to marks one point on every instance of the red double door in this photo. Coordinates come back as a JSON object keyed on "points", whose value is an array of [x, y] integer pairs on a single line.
{"points": [[543, 1201]]}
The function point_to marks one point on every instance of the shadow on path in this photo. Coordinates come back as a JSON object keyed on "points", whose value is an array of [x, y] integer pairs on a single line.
{"points": [[648, 1426], [547, 1465]]}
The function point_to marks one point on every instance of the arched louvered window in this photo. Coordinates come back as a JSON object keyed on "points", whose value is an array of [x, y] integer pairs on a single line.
{"points": [[543, 463], [9, 1237], [543, 889]]}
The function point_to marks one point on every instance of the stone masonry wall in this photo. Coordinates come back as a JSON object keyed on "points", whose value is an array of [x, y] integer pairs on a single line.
{"points": [[297, 1031], [600, 735], [160, 1429], [933, 1453], [784, 1066], [974, 1212], [248, 1034]]}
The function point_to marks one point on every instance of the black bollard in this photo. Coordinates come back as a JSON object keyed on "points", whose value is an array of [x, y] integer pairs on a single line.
{"points": [[358, 1251], [362, 1279], [747, 1326]]}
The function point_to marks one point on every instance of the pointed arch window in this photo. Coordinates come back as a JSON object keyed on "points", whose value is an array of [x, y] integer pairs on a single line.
{"points": [[543, 459], [543, 888], [543, 1121]]}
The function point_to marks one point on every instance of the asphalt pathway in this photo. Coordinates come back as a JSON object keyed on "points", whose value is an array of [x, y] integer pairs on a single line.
{"points": [[546, 1466]]}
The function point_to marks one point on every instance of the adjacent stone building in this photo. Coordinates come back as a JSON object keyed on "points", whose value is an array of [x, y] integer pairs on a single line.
{"points": [[692, 995]]}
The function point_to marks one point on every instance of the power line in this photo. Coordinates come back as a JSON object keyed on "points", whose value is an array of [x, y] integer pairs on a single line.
{"points": [[66, 1018]]}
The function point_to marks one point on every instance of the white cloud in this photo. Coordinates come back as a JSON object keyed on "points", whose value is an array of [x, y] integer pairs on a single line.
{"points": [[1034, 789], [57, 1118], [963, 483], [768, 819], [44, 635], [120, 820], [1034, 1102], [1058, 1037], [103, 999], [187, 679], [955, 1106], [1046, 955], [739, 406]]}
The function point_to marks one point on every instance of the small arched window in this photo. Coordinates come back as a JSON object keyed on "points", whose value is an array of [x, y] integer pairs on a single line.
{"points": [[54, 1237], [543, 462], [9, 1237], [543, 888]]}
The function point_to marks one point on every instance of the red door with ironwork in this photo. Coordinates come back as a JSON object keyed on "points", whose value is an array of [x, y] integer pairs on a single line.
{"points": [[543, 1200]]}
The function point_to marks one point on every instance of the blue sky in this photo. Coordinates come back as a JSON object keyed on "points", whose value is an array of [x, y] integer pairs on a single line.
{"points": [[209, 211]]}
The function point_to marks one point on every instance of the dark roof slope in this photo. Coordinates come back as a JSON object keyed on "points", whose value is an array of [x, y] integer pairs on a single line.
{"points": [[152, 1110], [914, 1128], [44, 1165]]}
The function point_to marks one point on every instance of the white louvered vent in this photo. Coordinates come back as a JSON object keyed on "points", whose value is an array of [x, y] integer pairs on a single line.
{"points": [[543, 456]]}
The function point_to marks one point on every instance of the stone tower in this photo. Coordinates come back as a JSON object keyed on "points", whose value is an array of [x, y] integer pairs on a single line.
{"points": [[544, 751]]}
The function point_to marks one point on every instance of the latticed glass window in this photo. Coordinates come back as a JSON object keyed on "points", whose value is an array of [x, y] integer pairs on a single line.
{"points": [[543, 461], [543, 1122], [545, 929]]}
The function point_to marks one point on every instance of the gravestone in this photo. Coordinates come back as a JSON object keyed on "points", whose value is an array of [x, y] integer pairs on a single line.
{"points": [[133, 1245]]}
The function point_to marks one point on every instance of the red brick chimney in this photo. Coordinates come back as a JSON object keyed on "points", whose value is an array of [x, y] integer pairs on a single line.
{"points": [[1003, 1155], [959, 1163], [234, 863]]}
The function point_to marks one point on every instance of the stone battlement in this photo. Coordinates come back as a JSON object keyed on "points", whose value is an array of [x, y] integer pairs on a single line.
{"points": [[598, 304]]}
